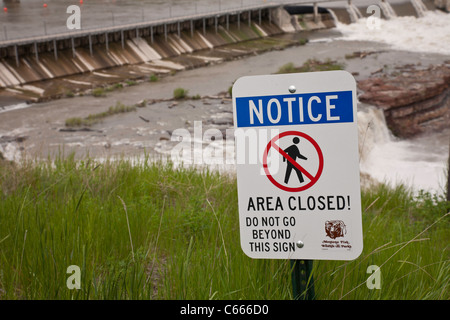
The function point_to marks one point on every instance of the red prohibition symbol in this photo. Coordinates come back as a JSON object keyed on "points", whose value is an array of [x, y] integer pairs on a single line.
{"points": [[313, 178]]}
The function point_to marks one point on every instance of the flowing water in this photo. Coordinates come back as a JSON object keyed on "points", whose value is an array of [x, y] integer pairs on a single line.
{"points": [[387, 9], [420, 162], [430, 33]]}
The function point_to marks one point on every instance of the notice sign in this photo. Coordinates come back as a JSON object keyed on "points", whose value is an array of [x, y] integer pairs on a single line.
{"points": [[298, 166]]}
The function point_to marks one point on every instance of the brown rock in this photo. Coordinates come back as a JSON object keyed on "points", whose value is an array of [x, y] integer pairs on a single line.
{"points": [[414, 99]]}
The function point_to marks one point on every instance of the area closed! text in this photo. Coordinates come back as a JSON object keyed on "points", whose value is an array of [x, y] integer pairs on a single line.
{"points": [[295, 203]]}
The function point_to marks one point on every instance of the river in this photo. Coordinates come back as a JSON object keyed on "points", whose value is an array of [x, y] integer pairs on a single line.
{"points": [[419, 162]]}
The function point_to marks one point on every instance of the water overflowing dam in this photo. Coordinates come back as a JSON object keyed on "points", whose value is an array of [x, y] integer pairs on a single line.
{"points": [[25, 60], [32, 59]]}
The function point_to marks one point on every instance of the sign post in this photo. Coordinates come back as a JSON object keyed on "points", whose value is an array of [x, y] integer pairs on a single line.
{"points": [[302, 280], [297, 166]]}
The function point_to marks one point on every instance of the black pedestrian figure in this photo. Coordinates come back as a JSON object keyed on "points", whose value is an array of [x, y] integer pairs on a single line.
{"points": [[294, 153]]}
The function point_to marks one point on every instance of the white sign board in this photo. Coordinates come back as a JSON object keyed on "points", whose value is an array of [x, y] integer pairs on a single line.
{"points": [[298, 166]]}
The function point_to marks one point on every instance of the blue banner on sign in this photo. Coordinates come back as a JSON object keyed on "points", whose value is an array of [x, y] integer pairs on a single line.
{"points": [[294, 109]]}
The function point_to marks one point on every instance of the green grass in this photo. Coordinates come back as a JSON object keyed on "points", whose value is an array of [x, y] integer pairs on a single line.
{"points": [[153, 78], [131, 82], [180, 93], [98, 117], [99, 92], [287, 68], [150, 231], [116, 86], [311, 65]]}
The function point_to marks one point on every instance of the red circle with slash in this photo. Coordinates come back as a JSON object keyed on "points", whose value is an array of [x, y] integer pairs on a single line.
{"points": [[313, 178]]}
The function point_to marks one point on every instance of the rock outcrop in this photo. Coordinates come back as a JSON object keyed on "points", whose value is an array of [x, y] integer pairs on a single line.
{"points": [[443, 4], [414, 99]]}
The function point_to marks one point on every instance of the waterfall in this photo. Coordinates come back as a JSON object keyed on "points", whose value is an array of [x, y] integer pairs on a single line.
{"points": [[333, 15], [387, 9], [353, 12], [419, 7], [356, 10], [418, 163], [372, 129]]}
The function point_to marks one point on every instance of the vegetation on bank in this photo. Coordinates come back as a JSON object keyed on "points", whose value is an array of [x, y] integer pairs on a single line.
{"points": [[311, 65], [98, 117], [180, 93], [147, 230]]}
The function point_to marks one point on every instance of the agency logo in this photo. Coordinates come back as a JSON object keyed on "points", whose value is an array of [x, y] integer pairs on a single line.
{"points": [[335, 229]]}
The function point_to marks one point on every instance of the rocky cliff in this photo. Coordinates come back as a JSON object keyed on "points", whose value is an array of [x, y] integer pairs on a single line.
{"points": [[443, 4], [415, 99]]}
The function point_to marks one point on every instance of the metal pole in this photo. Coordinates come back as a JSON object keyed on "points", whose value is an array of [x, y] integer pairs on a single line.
{"points": [[36, 51], [151, 34], [165, 31], [17, 55], [5, 32], [302, 280], [90, 45], [73, 47], [55, 49], [122, 39], [106, 41], [448, 174], [192, 28]]}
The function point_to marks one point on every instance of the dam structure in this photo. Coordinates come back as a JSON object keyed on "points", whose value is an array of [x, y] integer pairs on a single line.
{"points": [[153, 45]]}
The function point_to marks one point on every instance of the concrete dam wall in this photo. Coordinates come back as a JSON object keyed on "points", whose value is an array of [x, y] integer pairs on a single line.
{"points": [[42, 59]]}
